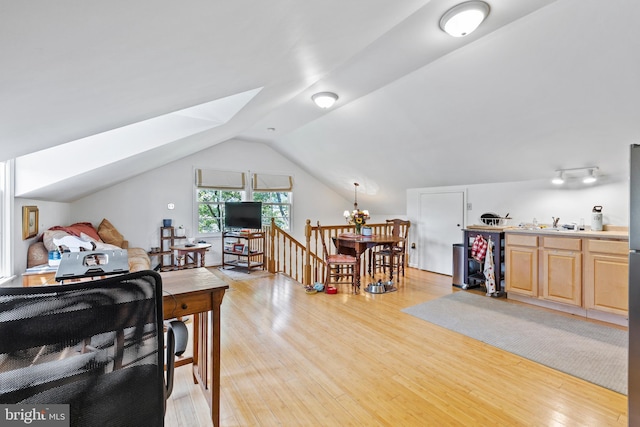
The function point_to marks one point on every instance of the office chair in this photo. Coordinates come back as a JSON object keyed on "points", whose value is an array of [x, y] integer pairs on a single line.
{"points": [[95, 345]]}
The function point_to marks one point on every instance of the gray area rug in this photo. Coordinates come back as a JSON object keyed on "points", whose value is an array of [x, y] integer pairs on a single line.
{"points": [[590, 351], [241, 273]]}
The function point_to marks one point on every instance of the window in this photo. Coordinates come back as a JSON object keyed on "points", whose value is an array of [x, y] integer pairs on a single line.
{"points": [[211, 208], [276, 205], [6, 207], [214, 188]]}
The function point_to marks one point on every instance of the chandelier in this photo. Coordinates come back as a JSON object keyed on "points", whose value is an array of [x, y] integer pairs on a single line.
{"points": [[356, 217]]}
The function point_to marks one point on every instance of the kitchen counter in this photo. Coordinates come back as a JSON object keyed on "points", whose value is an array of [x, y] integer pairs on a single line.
{"points": [[613, 233]]}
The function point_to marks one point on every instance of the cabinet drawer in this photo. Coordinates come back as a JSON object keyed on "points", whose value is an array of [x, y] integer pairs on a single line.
{"points": [[522, 240], [566, 243], [608, 246], [183, 305]]}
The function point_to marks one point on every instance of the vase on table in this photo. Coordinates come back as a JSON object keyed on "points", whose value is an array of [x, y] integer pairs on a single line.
{"points": [[358, 228]]}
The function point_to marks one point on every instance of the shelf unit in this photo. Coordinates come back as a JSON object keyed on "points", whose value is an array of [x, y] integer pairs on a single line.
{"points": [[166, 257], [252, 254], [473, 270]]}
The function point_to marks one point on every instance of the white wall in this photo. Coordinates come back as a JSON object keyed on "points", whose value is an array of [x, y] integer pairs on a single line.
{"points": [[136, 207], [525, 200], [49, 214]]}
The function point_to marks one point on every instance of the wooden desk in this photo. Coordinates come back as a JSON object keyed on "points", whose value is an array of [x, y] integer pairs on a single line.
{"points": [[195, 253], [360, 244], [199, 292]]}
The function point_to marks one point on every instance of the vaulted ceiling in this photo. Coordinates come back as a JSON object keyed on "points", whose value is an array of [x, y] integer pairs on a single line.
{"points": [[541, 85]]}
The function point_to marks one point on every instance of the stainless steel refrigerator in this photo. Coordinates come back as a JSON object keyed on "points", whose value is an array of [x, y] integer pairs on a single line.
{"points": [[634, 287]]}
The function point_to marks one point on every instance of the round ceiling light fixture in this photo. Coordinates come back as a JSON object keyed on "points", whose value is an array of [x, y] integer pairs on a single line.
{"points": [[462, 19], [325, 99]]}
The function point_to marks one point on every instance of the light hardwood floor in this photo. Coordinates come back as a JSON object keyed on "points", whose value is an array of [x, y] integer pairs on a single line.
{"points": [[293, 359]]}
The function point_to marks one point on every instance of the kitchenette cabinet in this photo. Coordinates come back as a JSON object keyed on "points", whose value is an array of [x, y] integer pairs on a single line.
{"points": [[562, 270], [522, 265], [607, 276], [585, 273]]}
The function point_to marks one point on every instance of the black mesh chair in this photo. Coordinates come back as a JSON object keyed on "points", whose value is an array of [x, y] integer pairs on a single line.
{"points": [[95, 345]]}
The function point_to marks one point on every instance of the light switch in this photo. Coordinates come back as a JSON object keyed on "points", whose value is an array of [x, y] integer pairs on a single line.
{"points": [[171, 206]]}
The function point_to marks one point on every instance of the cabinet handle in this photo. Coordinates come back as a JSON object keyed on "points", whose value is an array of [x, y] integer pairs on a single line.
{"points": [[184, 306]]}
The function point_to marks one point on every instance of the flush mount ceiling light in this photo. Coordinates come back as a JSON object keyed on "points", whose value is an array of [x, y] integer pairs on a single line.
{"points": [[464, 18], [562, 175], [325, 99]]}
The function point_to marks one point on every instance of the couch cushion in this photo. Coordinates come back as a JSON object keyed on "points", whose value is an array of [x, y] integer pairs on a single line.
{"points": [[37, 254], [49, 235], [78, 228], [109, 234], [138, 259]]}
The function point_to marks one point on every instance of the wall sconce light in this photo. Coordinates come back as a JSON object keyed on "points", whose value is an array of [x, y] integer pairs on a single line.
{"points": [[561, 175], [464, 18], [324, 99]]}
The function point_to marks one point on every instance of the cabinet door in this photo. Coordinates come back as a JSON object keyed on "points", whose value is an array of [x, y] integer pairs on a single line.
{"points": [[562, 276], [522, 270], [607, 283]]}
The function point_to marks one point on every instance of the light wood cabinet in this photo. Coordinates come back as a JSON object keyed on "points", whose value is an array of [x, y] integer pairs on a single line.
{"points": [[607, 276], [562, 270], [579, 275], [522, 265]]}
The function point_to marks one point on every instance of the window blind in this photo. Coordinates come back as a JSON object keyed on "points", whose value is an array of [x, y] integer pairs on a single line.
{"points": [[225, 180], [267, 182]]}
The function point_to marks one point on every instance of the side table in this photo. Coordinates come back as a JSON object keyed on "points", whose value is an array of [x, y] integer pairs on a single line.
{"points": [[193, 255]]}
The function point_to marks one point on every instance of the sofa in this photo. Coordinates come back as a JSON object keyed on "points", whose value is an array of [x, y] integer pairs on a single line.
{"points": [[104, 237]]}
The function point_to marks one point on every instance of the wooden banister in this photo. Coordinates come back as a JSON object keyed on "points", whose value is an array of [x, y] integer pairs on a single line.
{"points": [[304, 262]]}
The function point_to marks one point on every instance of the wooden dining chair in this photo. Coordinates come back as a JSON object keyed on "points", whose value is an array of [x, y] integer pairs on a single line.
{"points": [[337, 266], [381, 258]]}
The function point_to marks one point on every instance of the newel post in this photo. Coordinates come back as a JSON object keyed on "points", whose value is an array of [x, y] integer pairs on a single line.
{"points": [[307, 253], [271, 262]]}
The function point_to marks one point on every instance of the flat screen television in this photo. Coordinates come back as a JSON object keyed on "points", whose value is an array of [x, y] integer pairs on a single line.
{"points": [[243, 215]]}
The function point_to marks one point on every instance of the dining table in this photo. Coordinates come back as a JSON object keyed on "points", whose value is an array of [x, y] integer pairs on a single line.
{"points": [[356, 244]]}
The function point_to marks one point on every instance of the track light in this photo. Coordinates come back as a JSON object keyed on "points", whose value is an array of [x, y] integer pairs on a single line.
{"points": [[563, 174], [324, 99], [559, 178], [590, 178]]}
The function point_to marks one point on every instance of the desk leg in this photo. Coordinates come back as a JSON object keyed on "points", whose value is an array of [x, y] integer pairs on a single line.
{"points": [[215, 357]]}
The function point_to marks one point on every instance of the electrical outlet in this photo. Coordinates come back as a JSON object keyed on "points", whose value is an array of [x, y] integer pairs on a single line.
{"points": [[469, 206], [171, 206]]}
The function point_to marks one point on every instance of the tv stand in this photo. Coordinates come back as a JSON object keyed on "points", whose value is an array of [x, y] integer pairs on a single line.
{"points": [[243, 249]]}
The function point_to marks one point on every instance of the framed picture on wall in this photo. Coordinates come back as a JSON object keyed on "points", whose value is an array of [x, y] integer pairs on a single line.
{"points": [[29, 222]]}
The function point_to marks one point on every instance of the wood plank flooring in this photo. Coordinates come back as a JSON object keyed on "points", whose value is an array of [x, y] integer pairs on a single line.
{"points": [[293, 359]]}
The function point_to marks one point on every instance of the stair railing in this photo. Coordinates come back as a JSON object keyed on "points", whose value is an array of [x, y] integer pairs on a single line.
{"points": [[305, 262]]}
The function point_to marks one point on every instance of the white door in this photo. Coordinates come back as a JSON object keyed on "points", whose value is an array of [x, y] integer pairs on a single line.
{"points": [[441, 224]]}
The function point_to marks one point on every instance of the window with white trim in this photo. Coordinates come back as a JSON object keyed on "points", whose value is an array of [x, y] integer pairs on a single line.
{"points": [[214, 188], [274, 191]]}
